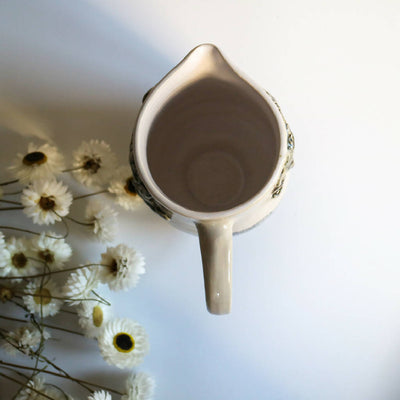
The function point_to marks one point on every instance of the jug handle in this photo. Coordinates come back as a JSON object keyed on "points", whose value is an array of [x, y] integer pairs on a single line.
{"points": [[216, 252]]}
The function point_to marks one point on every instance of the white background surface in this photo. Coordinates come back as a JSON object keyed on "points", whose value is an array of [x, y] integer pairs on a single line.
{"points": [[316, 307]]}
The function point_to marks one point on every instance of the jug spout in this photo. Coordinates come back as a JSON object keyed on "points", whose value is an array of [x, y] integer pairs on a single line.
{"points": [[206, 60]]}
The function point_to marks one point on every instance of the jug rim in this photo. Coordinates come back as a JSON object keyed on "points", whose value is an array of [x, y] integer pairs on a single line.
{"points": [[140, 157]]}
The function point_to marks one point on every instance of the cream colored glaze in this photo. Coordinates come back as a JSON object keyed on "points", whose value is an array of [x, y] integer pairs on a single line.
{"points": [[214, 228], [216, 253]]}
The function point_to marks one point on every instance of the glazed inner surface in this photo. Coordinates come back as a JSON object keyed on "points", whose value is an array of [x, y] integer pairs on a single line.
{"points": [[213, 146]]}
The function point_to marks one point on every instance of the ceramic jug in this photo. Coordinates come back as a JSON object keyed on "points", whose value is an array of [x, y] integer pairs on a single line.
{"points": [[210, 153]]}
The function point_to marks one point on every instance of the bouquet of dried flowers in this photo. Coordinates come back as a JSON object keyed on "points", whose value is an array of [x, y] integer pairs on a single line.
{"points": [[37, 278]]}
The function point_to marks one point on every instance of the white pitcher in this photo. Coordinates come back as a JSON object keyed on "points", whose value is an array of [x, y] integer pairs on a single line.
{"points": [[210, 153]]}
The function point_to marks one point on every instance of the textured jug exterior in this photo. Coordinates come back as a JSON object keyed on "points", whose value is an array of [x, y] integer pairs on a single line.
{"points": [[215, 229]]}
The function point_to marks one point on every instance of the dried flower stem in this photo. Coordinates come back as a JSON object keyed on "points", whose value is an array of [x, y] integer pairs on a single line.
{"points": [[44, 325], [28, 231], [25, 385], [9, 182], [101, 299], [72, 169], [11, 208], [12, 193], [10, 202], [52, 272], [13, 370], [77, 222], [90, 194], [63, 298], [61, 376], [68, 312], [66, 375]]}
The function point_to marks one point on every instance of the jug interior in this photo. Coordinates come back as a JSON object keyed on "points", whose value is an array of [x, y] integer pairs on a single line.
{"points": [[213, 145]]}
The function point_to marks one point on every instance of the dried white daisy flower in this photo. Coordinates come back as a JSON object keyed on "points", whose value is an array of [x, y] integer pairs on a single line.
{"points": [[39, 162], [101, 395], [54, 252], [37, 388], [16, 258], [32, 392], [103, 219], [92, 316], [46, 201], [139, 387], [40, 297], [123, 268], [123, 343], [2, 240], [80, 284], [123, 188], [24, 339], [4, 257], [6, 292], [95, 163], [54, 393]]}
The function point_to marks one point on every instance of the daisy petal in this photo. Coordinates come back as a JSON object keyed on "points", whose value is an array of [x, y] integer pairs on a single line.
{"points": [[123, 268], [95, 163], [123, 343], [103, 219], [39, 162], [101, 395], [46, 201], [123, 188], [139, 387], [39, 297]]}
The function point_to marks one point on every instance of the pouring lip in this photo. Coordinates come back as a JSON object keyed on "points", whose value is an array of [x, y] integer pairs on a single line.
{"points": [[140, 157]]}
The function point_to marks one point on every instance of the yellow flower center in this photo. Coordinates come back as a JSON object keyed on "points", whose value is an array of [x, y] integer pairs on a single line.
{"points": [[34, 158], [124, 342], [42, 296], [130, 188], [97, 316]]}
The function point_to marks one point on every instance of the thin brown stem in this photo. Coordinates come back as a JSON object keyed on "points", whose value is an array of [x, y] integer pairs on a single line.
{"points": [[13, 228], [90, 194], [78, 222], [26, 386], [63, 329], [10, 202], [66, 299], [101, 299], [13, 319], [11, 208], [9, 182], [61, 376], [45, 325], [12, 193], [66, 228], [68, 312], [18, 304], [52, 272], [15, 372], [59, 369], [72, 169]]}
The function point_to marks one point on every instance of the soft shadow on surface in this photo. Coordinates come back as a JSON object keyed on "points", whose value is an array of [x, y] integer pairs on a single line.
{"points": [[71, 62], [72, 73], [69, 72]]}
